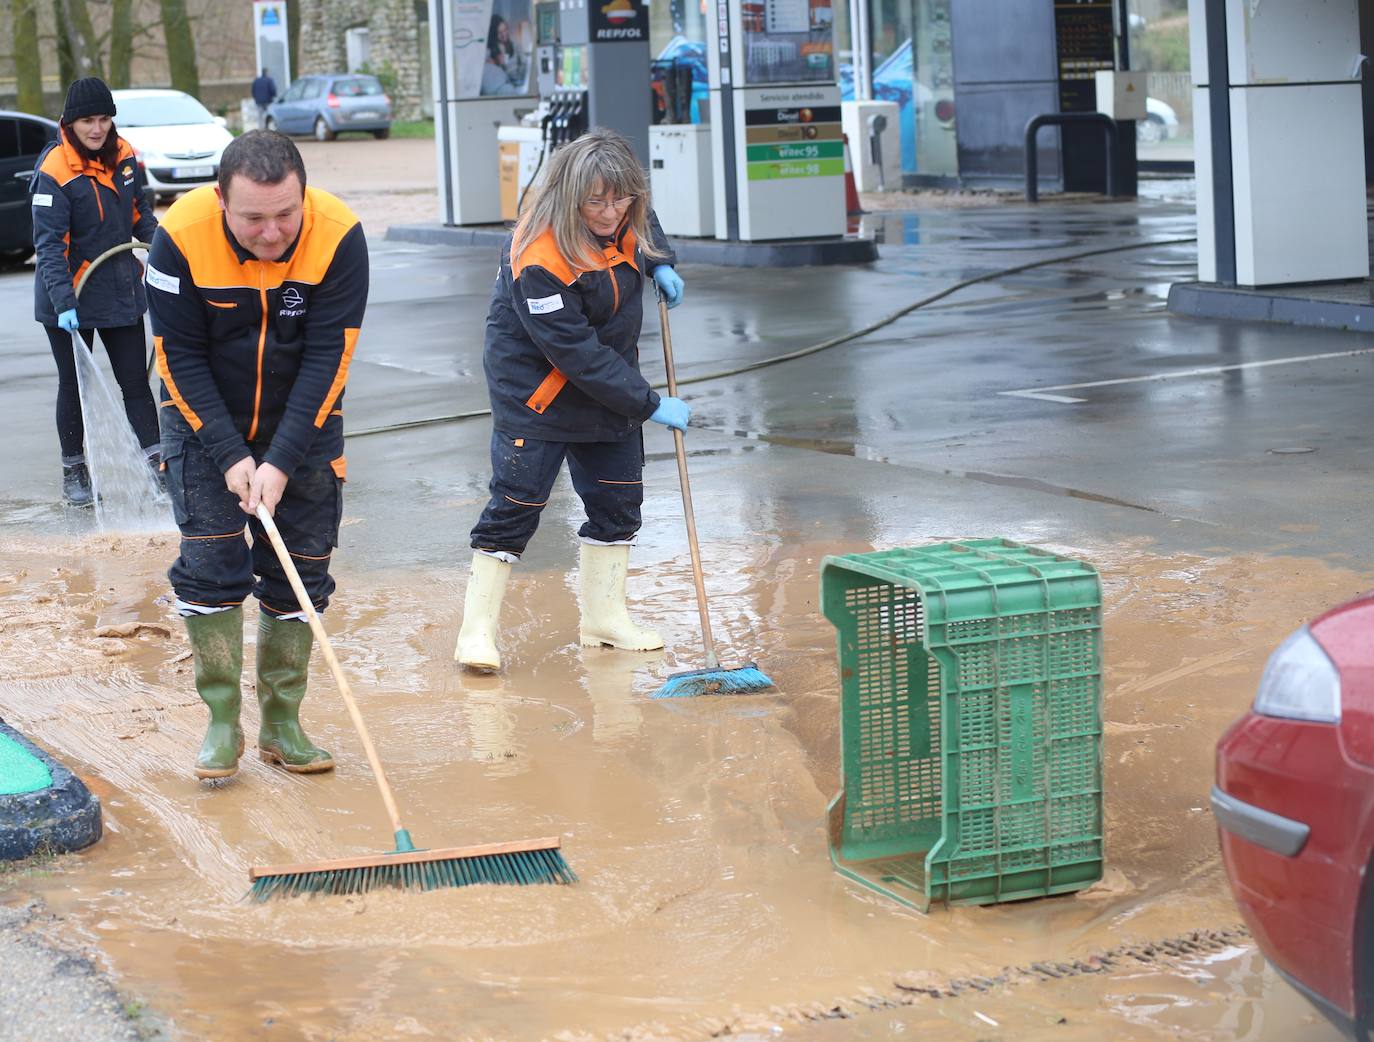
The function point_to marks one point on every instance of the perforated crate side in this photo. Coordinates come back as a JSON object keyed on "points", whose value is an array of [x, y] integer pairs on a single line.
{"points": [[889, 720], [1012, 693]]}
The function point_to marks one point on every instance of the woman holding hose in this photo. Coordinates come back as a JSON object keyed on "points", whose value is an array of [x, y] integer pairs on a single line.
{"points": [[562, 366], [88, 196]]}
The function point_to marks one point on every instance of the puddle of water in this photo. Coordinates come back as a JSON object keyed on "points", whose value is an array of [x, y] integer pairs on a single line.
{"points": [[847, 447], [697, 826]]}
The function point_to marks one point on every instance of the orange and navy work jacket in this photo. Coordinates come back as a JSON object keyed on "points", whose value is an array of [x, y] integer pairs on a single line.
{"points": [[257, 352], [562, 345], [80, 210]]}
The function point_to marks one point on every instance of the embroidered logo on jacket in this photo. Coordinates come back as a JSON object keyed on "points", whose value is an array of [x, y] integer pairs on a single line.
{"points": [[293, 304]]}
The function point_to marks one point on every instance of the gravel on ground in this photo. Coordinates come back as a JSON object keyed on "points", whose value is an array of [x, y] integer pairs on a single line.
{"points": [[51, 987]]}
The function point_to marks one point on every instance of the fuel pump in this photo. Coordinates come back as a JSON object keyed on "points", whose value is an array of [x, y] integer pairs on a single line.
{"points": [[539, 74], [591, 66]]}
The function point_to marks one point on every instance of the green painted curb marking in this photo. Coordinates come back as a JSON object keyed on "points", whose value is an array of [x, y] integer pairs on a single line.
{"points": [[20, 770]]}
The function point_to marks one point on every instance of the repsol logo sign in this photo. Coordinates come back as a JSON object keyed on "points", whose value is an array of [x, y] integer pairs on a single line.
{"points": [[292, 303]]}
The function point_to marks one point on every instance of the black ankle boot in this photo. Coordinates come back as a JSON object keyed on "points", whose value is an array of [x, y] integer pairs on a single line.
{"points": [[76, 485]]}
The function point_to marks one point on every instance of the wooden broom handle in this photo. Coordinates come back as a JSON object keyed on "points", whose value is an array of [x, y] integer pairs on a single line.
{"points": [[316, 627], [707, 639]]}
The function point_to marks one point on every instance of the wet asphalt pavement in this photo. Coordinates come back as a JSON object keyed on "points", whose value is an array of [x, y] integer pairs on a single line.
{"points": [[1170, 427], [1061, 405]]}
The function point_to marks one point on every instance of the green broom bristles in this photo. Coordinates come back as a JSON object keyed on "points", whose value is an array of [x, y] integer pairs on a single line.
{"points": [[433, 870], [742, 681]]}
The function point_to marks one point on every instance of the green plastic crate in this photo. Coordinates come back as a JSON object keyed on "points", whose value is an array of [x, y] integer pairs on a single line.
{"points": [[970, 720]]}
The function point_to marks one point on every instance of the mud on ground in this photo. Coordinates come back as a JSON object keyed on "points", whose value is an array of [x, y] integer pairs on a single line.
{"points": [[707, 905]]}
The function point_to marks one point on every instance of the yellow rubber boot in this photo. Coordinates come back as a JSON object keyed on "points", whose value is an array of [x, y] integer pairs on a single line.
{"points": [[605, 619], [481, 607]]}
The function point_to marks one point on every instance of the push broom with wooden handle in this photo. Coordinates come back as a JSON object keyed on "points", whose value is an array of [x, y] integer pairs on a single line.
{"points": [[712, 679], [519, 863]]}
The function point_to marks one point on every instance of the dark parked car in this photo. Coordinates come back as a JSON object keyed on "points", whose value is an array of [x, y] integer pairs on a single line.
{"points": [[22, 138], [327, 106], [1294, 801]]}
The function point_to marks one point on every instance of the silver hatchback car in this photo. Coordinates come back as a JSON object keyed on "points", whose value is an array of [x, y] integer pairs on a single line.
{"points": [[329, 105]]}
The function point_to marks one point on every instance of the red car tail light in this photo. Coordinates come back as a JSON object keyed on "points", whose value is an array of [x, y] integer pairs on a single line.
{"points": [[332, 100]]}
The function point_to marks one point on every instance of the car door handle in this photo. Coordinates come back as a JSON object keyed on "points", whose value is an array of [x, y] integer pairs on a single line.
{"points": [[23, 175]]}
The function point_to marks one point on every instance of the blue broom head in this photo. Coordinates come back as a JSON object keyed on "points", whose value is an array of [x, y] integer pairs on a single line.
{"points": [[523, 868], [742, 681]]}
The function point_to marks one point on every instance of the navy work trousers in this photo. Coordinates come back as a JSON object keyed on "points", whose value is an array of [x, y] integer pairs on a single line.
{"points": [[217, 565], [608, 477]]}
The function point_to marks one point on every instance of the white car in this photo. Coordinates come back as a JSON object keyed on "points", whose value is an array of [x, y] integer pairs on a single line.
{"points": [[1160, 123], [175, 136]]}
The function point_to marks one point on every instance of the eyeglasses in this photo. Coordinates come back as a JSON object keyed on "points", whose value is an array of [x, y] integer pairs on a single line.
{"points": [[603, 205]]}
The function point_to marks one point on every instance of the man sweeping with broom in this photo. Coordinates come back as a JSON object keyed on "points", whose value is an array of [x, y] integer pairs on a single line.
{"points": [[257, 287]]}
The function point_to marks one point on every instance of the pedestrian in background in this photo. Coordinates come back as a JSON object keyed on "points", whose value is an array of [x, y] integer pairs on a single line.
{"points": [[87, 196], [562, 366], [264, 93]]}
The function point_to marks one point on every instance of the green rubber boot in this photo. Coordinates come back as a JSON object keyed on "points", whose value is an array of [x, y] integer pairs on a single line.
{"points": [[217, 651], [283, 664]]}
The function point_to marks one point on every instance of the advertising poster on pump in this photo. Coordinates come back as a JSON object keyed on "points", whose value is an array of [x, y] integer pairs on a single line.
{"points": [[492, 44], [788, 41]]}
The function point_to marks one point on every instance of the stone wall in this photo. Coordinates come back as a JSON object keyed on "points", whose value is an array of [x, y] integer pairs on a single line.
{"points": [[397, 40]]}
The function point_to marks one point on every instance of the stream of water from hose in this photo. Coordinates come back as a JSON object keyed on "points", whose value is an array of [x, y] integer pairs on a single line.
{"points": [[127, 497]]}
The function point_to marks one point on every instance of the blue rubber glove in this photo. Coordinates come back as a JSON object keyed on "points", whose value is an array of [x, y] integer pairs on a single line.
{"points": [[670, 282], [67, 320], [672, 412]]}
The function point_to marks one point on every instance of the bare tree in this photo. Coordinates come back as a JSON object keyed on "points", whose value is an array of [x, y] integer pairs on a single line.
{"points": [[67, 68], [121, 42], [181, 47], [28, 68], [84, 41]]}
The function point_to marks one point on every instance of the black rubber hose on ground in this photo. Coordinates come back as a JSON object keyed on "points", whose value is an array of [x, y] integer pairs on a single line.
{"points": [[824, 345], [749, 367]]}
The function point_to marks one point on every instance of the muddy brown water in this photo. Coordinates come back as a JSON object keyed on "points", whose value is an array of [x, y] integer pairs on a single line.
{"points": [[707, 904]]}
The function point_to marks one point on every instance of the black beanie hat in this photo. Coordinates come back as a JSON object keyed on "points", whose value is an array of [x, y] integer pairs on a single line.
{"points": [[88, 97]]}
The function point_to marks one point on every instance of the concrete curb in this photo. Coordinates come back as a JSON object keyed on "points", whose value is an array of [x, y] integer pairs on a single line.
{"points": [[801, 253], [1317, 306], [61, 818]]}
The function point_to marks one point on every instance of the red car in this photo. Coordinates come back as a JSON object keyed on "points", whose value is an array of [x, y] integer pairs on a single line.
{"points": [[1294, 803]]}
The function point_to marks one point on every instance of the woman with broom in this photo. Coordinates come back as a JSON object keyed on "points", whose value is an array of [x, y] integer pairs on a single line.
{"points": [[87, 196], [562, 367]]}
